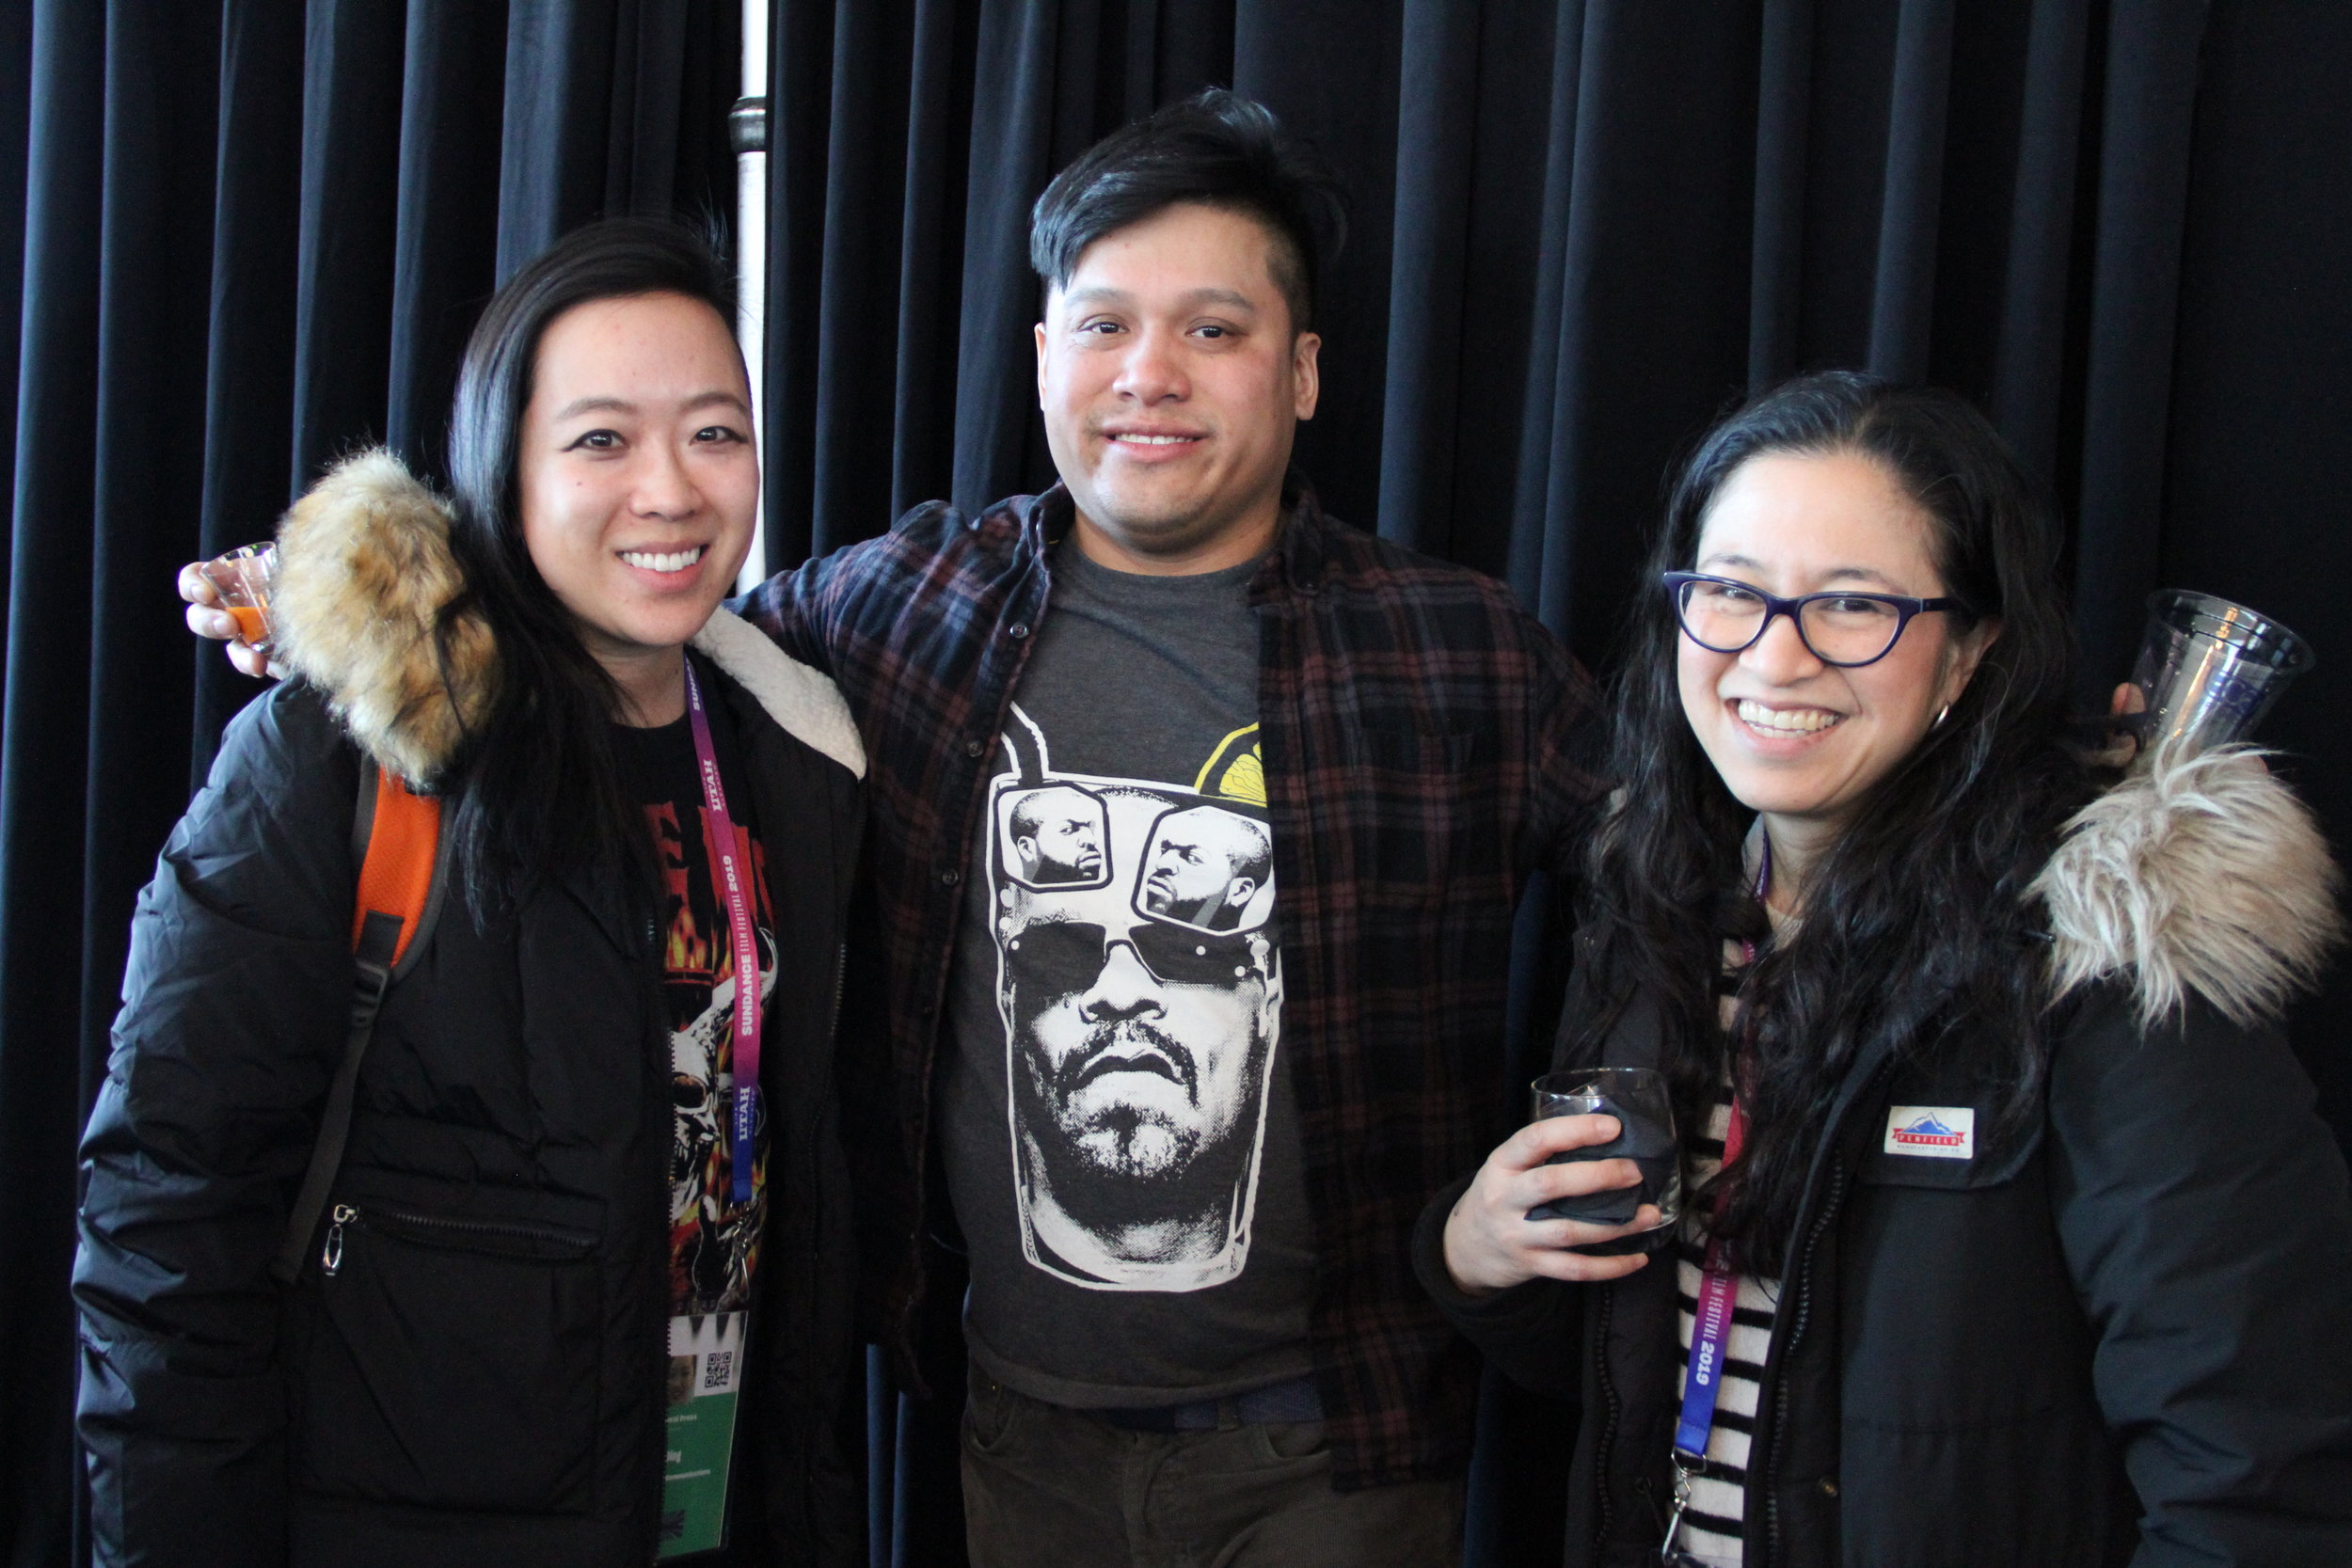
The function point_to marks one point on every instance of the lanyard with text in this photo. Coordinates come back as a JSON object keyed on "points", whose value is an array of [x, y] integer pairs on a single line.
{"points": [[736, 872], [1710, 1331], [1711, 1321]]}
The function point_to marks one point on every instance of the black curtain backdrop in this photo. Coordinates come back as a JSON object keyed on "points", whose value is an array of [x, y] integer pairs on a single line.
{"points": [[251, 233]]}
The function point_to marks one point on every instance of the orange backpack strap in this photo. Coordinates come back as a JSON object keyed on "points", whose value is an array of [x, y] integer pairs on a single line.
{"points": [[398, 866], [404, 868]]}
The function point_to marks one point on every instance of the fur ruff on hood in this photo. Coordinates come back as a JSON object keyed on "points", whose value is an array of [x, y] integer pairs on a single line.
{"points": [[2199, 872], [364, 567]]}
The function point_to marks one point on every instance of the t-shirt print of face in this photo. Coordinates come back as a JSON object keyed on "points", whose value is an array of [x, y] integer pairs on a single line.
{"points": [[1140, 986]]}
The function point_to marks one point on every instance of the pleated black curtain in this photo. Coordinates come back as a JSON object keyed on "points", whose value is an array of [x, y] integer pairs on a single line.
{"points": [[250, 234]]}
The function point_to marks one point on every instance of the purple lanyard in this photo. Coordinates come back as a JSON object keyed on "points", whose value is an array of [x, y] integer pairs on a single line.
{"points": [[742, 939], [1719, 1287]]}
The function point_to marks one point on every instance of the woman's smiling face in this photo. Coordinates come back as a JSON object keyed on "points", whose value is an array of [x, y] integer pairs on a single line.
{"points": [[637, 475], [1801, 741]]}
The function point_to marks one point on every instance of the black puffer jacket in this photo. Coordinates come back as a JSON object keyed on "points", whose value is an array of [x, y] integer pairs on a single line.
{"points": [[482, 1379], [2122, 1334]]}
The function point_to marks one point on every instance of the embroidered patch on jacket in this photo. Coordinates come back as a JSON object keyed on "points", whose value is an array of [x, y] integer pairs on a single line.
{"points": [[1937, 1132]]}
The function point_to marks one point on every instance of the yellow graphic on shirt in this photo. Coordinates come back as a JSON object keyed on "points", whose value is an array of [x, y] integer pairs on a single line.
{"points": [[1234, 773]]}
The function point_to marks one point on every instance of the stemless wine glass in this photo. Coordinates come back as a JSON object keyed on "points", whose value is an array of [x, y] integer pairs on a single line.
{"points": [[1638, 1098]]}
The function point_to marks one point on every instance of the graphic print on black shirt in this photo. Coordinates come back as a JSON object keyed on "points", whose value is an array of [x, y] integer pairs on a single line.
{"points": [[1139, 985], [714, 1241]]}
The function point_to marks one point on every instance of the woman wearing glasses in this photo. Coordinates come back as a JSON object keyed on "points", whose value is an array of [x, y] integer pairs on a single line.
{"points": [[2032, 1246]]}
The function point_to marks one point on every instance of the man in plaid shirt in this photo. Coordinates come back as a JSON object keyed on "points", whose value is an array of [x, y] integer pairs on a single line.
{"points": [[1423, 747]]}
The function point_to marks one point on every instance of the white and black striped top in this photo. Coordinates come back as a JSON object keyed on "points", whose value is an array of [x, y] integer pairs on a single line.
{"points": [[1713, 1526]]}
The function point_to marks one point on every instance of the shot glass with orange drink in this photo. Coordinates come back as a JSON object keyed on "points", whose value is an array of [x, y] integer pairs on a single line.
{"points": [[242, 579]]}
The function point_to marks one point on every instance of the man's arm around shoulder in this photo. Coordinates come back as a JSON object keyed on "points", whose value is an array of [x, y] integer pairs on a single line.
{"points": [[807, 609]]}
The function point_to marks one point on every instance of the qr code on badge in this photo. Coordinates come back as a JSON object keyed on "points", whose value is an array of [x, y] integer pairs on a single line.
{"points": [[717, 1369]]}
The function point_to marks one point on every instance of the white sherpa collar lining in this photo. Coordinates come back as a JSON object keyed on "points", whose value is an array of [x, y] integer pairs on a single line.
{"points": [[808, 705]]}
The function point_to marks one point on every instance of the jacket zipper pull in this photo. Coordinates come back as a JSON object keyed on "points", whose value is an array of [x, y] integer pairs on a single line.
{"points": [[331, 1255]]}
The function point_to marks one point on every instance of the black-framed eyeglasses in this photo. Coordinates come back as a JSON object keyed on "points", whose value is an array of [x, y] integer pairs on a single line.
{"points": [[1841, 627]]}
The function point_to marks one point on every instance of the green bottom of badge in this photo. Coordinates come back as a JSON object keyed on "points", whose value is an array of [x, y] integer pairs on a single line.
{"points": [[705, 1355]]}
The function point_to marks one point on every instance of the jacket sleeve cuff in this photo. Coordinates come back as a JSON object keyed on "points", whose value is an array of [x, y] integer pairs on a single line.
{"points": [[1509, 1312]]}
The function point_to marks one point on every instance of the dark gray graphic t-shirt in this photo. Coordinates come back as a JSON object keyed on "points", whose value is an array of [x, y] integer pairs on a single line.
{"points": [[1120, 1141]]}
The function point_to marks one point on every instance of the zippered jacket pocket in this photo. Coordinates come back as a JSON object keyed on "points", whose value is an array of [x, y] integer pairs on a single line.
{"points": [[527, 1238], [449, 1355]]}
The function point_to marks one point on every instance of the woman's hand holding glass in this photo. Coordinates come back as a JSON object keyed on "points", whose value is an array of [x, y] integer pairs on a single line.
{"points": [[1490, 1243]]}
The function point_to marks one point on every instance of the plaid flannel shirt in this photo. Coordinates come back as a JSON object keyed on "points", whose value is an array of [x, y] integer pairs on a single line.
{"points": [[1426, 744]]}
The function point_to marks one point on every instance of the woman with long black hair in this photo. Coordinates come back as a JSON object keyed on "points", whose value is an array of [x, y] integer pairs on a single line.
{"points": [[2017, 1236], [578, 1296]]}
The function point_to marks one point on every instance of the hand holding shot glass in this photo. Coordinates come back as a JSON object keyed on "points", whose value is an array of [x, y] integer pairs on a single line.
{"points": [[242, 579], [229, 597]]}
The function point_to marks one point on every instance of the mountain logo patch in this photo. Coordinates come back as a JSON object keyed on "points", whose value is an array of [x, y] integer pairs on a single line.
{"points": [[1936, 1132]]}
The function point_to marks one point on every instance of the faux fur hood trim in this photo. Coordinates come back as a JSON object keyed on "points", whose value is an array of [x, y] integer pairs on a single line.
{"points": [[2199, 872], [363, 569]]}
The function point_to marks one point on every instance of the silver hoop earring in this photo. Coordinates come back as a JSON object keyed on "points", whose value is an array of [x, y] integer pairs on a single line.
{"points": [[1940, 717]]}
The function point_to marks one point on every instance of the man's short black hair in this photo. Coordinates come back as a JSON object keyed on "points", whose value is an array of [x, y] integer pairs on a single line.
{"points": [[1220, 149]]}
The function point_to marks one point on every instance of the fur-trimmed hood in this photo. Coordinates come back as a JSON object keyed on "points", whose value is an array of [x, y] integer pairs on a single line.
{"points": [[2199, 872], [363, 568]]}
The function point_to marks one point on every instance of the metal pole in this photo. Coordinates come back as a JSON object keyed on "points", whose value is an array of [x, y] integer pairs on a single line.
{"points": [[747, 129]]}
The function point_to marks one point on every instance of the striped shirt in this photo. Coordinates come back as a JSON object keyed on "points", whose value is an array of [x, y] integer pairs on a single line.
{"points": [[1713, 1526]]}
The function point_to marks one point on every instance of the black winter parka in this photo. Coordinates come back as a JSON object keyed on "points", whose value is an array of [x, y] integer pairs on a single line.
{"points": [[480, 1380], [2119, 1334]]}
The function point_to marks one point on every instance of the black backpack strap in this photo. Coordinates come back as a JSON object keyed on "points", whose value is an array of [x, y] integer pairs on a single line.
{"points": [[379, 939]]}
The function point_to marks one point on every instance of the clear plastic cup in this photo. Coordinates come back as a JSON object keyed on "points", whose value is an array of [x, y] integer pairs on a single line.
{"points": [[2209, 669]]}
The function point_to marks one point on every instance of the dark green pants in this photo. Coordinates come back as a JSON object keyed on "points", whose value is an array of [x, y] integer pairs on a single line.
{"points": [[1052, 1486]]}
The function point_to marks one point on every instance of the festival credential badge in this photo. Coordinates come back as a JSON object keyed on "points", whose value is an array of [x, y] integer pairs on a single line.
{"points": [[706, 1373]]}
